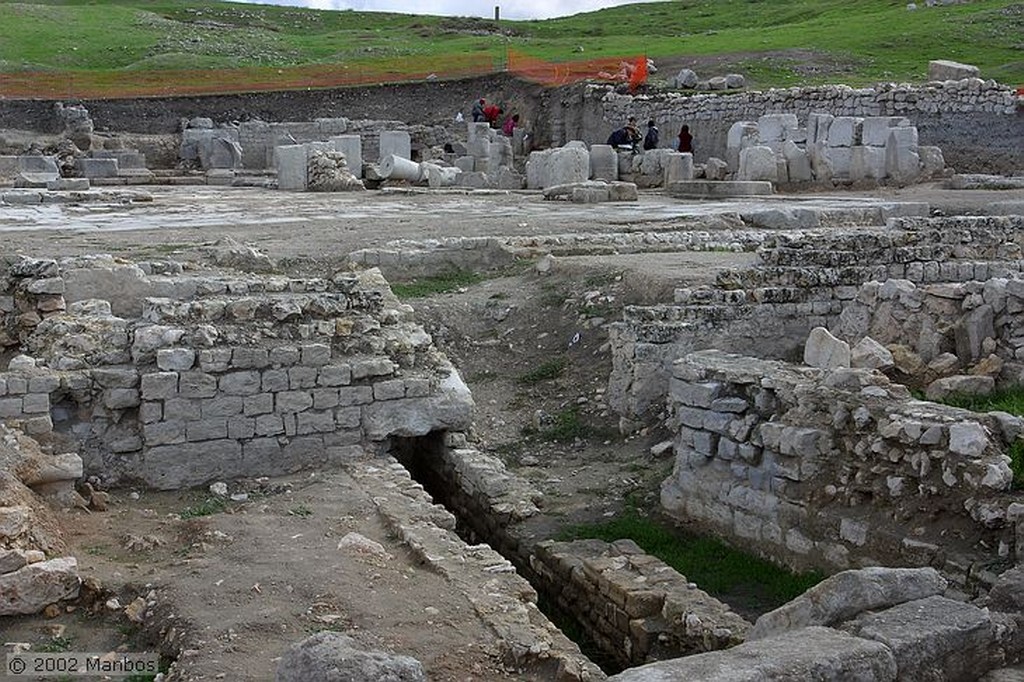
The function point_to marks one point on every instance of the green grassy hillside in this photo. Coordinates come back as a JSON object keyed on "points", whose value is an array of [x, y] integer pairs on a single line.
{"points": [[773, 42]]}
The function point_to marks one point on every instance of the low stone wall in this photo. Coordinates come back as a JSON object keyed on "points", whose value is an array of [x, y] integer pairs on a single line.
{"points": [[933, 284], [834, 469], [947, 114], [631, 604], [218, 376]]}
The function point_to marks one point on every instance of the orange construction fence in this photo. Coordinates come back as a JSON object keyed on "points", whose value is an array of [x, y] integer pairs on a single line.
{"points": [[170, 83], [632, 70]]}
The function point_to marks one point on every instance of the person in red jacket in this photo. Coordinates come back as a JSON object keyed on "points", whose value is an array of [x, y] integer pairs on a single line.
{"points": [[492, 112]]}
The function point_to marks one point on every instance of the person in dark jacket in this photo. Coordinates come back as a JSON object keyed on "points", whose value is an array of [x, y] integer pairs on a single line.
{"points": [[478, 110], [685, 140], [652, 136]]}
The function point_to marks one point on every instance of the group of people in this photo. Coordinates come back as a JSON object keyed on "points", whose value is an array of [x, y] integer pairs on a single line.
{"points": [[490, 113], [629, 136]]}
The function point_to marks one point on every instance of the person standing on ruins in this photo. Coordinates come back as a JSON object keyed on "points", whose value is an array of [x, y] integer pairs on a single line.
{"points": [[685, 140], [511, 123], [652, 136], [478, 110]]}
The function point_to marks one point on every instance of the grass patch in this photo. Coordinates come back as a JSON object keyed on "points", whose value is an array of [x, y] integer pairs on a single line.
{"points": [[209, 506], [56, 645], [727, 573], [1009, 399], [546, 371], [302, 511], [775, 43], [438, 284], [567, 427]]}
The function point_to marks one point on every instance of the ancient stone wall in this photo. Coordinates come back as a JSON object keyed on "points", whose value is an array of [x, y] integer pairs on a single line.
{"points": [[948, 115], [839, 468], [177, 379], [932, 284], [632, 604]]}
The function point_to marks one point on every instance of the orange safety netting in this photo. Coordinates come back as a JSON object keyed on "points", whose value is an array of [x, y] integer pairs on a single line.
{"points": [[632, 70]]}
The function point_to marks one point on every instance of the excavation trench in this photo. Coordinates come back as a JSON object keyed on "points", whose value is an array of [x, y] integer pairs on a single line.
{"points": [[433, 464], [621, 606]]}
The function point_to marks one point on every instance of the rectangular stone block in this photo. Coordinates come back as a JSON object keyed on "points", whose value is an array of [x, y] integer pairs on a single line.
{"points": [[121, 398], [389, 390], [181, 408], [43, 384], [396, 142], [292, 167], [302, 377], [334, 375], [316, 354], [163, 433], [352, 147], [221, 406], [10, 408], [314, 422], [875, 132], [275, 380], [215, 359], [355, 395], [206, 429], [197, 385], [36, 403], [325, 398], [150, 412], [269, 425], [240, 383], [240, 428], [845, 131], [249, 358], [284, 356], [170, 467], [348, 417], [262, 403], [293, 401]]}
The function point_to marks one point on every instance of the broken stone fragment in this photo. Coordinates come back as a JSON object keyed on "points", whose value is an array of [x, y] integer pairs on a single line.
{"points": [[826, 351], [333, 656], [844, 595], [30, 589]]}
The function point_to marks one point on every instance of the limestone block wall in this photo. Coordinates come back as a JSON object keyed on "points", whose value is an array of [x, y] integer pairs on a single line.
{"points": [[225, 375], [838, 469], [933, 284], [633, 604], [259, 139], [947, 114]]}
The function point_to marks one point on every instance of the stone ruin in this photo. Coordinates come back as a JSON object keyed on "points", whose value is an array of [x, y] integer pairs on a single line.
{"points": [[169, 376]]}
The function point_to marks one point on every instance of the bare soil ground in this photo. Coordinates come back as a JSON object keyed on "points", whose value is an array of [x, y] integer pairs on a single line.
{"points": [[265, 572]]}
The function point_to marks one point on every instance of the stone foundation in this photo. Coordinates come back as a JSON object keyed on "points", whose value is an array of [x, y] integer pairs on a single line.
{"points": [[834, 469]]}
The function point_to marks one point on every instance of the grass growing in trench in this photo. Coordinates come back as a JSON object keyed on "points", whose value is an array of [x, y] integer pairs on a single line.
{"points": [[716, 568], [422, 287]]}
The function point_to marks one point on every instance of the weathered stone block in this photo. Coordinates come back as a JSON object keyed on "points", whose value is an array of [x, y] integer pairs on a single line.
{"points": [[197, 385], [175, 359], [293, 401], [302, 377], [121, 398], [334, 375], [240, 383], [35, 586], [170, 467], [845, 595]]}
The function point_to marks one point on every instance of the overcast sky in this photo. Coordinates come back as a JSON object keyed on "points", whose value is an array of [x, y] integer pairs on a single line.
{"points": [[510, 9]]}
